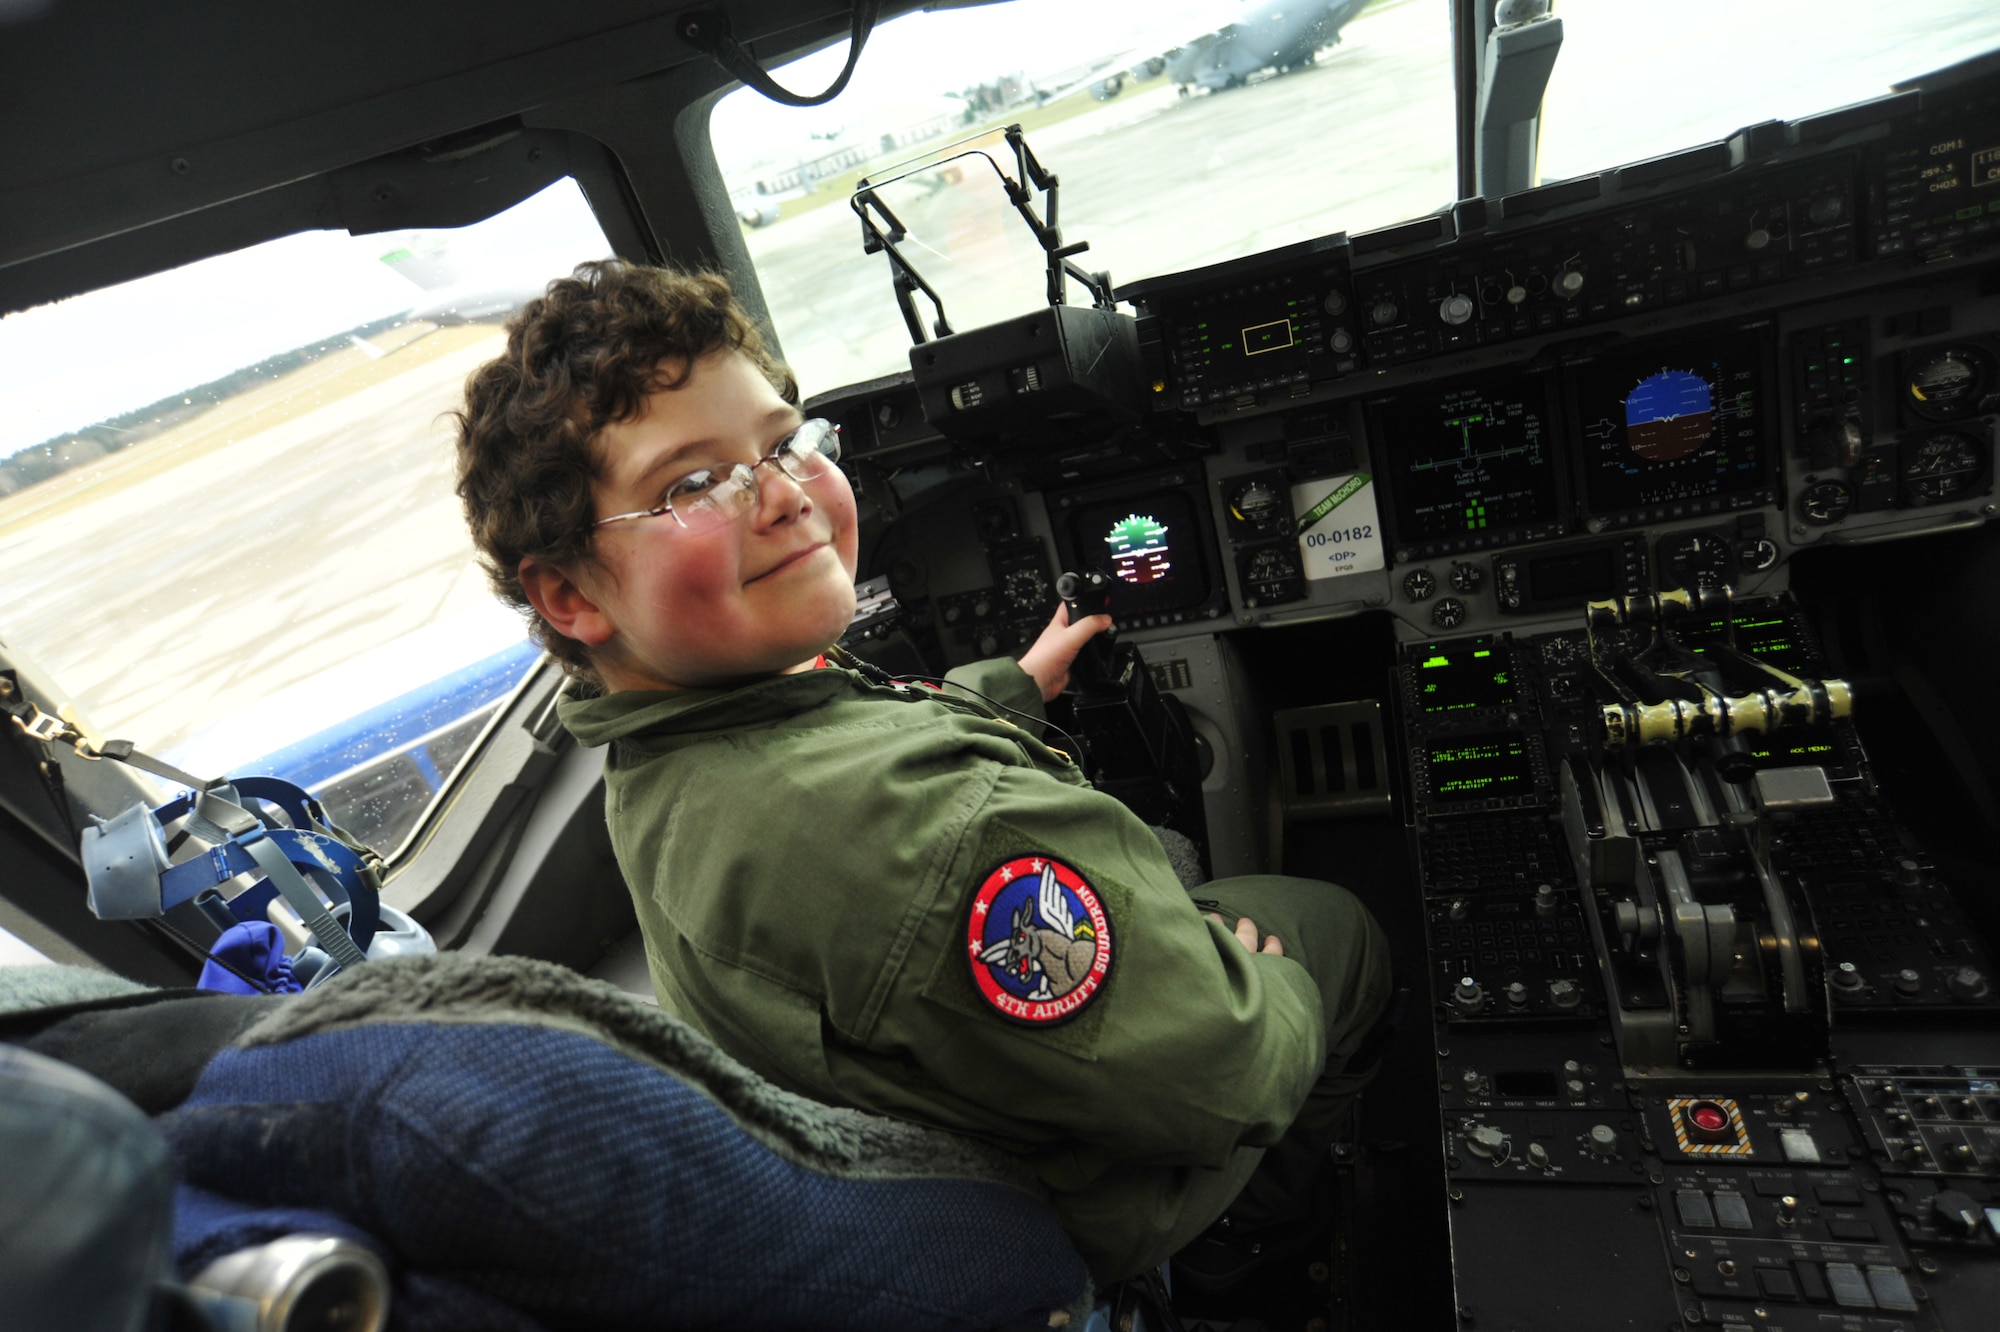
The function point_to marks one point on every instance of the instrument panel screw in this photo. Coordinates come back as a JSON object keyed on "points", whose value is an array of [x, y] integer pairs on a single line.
{"points": [[180, 166]]}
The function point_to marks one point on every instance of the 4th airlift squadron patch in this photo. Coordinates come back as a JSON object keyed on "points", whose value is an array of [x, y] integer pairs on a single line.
{"points": [[1039, 941]]}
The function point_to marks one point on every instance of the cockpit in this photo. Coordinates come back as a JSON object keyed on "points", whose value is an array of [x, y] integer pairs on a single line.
{"points": [[1539, 459]]}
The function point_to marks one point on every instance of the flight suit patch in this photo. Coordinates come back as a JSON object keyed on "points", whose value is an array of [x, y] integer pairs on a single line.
{"points": [[1038, 940]]}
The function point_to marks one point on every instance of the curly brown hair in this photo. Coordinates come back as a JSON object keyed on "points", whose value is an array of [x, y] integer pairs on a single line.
{"points": [[582, 356]]}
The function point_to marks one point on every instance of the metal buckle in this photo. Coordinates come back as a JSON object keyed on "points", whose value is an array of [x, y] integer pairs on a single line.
{"points": [[41, 725]]}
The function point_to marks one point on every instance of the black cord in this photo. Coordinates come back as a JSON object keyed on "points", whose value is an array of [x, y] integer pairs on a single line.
{"points": [[1075, 748], [868, 670]]}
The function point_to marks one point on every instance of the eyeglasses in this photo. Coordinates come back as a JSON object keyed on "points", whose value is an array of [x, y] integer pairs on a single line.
{"points": [[712, 498]]}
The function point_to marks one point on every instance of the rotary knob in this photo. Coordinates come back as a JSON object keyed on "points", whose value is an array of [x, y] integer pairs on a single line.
{"points": [[1569, 282], [1516, 294], [1564, 993], [1335, 303], [1383, 313], [1468, 996], [1545, 899], [1603, 1140], [1340, 342], [1825, 211], [1456, 308], [1517, 994]]}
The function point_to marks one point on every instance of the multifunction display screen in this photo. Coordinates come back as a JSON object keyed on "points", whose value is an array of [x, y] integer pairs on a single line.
{"points": [[1476, 767], [1150, 547], [1471, 465], [1769, 637], [1246, 341], [1462, 679], [1681, 424]]}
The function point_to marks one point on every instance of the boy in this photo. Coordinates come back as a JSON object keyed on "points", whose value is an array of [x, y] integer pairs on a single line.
{"points": [[874, 895]]}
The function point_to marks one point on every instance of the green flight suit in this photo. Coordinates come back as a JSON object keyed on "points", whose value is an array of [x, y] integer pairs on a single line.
{"points": [[803, 852]]}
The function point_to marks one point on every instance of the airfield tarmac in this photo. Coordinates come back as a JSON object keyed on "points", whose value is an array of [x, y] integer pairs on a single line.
{"points": [[296, 554]]}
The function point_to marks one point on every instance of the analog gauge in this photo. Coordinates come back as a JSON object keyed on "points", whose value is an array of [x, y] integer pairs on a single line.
{"points": [[1258, 504], [1563, 650], [1449, 613], [1027, 590], [1941, 468], [1621, 640], [1418, 584], [1696, 559], [1271, 573], [1825, 502], [1948, 382], [1467, 577], [1757, 555]]}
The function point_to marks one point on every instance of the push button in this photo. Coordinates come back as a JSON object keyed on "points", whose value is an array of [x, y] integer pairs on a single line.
{"points": [[1849, 1286], [1891, 1291], [1731, 1212], [1777, 1283], [1694, 1210]]}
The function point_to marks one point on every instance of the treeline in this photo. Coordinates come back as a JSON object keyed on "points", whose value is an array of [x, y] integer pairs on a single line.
{"points": [[53, 457]]}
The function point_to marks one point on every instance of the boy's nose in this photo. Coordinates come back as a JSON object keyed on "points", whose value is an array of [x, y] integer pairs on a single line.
{"points": [[780, 496]]}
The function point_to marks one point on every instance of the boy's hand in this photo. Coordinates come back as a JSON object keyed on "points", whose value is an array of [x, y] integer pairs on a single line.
{"points": [[1048, 661], [1246, 934]]}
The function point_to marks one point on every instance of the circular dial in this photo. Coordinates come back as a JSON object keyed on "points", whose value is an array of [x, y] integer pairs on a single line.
{"points": [[1467, 577], [1027, 590], [1270, 569], [1449, 613], [1257, 503], [1697, 559], [1941, 468], [1947, 382], [1419, 584], [1757, 555], [1825, 502], [1563, 651]]}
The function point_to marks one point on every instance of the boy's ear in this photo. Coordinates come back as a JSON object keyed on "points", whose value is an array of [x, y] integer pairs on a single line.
{"points": [[564, 604]]}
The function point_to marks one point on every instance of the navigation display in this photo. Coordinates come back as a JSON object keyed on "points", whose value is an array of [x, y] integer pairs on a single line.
{"points": [[1477, 766], [1150, 547], [1468, 677], [1767, 636], [1246, 340], [1683, 425], [1470, 465]]}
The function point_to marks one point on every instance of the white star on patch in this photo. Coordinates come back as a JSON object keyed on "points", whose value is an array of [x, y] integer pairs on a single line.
{"points": [[979, 908], [1006, 874], [973, 948], [1035, 865]]}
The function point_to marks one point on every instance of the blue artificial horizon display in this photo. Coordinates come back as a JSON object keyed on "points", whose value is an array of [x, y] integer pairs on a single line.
{"points": [[1669, 415]]}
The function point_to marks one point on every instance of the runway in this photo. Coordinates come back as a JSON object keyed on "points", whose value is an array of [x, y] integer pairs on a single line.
{"points": [[273, 539]]}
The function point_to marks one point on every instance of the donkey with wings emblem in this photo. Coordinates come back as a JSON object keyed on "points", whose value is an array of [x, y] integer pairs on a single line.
{"points": [[1056, 947]]}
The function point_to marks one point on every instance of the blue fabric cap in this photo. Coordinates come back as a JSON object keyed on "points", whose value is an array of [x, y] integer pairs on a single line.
{"points": [[254, 948]]}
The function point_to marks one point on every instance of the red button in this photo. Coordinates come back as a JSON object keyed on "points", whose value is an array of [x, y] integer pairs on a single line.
{"points": [[1708, 1116]]}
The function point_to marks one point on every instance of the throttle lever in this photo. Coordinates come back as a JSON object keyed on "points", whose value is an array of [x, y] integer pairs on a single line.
{"points": [[1086, 594]]}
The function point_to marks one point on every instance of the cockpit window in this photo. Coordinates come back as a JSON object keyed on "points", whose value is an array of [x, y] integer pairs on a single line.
{"points": [[1635, 80], [226, 504], [1183, 132]]}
